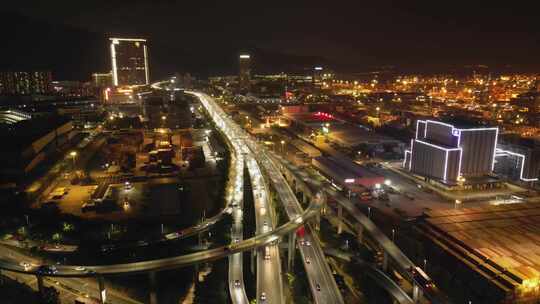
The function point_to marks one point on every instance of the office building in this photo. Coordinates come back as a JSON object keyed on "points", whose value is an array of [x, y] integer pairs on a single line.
{"points": [[25, 83], [447, 154], [317, 76], [129, 58], [102, 80], [518, 160], [244, 76]]}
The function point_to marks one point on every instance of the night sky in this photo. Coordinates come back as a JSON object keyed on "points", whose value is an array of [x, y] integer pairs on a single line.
{"points": [[204, 37]]}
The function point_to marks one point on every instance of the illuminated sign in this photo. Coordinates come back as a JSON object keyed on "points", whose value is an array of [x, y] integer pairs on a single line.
{"points": [[349, 180], [244, 56]]}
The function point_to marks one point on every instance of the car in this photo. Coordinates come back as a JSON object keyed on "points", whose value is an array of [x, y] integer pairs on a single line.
{"points": [[88, 206], [305, 243], [263, 296], [172, 235], [267, 253], [236, 283], [106, 248], [236, 240], [25, 265], [47, 269], [318, 287], [308, 261], [80, 268]]}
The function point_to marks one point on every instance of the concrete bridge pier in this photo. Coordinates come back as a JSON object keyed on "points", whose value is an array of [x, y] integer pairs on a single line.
{"points": [[41, 287], [385, 262], [317, 222], [291, 251], [153, 285], [359, 233], [417, 294], [304, 198], [102, 290], [340, 219], [252, 264]]}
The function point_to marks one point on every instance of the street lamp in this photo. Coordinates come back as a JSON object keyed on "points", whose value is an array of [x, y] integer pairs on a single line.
{"points": [[73, 155], [393, 235], [369, 212], [282, 144], [425, 265]]}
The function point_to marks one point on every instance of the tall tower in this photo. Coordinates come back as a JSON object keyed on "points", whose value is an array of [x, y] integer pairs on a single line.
{"points": [[244, 76], [129, 59]]}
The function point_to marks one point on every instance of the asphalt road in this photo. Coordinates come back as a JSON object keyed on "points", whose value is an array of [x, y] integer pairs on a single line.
{"points": [[321, 279], [399, 259], [269, 279], [236, 272], [69, 288]]}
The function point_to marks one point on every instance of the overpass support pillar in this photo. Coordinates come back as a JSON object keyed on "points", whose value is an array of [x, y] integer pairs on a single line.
{"points": [[291, 252], [417, 293], [102, 290], [359, 232], [196, 272], [41, 287], [252, 255], [340, 219], [153, 285], [385, 262]]}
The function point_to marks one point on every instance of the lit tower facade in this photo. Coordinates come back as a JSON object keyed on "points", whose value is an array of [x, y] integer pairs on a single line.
{"points": [[443, 152], [129, 59], [244, 76]]}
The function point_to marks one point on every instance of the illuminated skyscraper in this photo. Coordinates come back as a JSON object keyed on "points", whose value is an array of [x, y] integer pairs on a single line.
{"points": [[244, 76], [317, 76], [129, 58]]}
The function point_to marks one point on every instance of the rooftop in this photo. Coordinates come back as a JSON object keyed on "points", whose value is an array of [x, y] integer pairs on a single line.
{"points": [[502, 242], [21, 134]]}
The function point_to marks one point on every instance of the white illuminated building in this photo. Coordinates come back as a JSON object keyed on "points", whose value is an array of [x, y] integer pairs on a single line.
{"points": [[448, 154], [129, 60]]}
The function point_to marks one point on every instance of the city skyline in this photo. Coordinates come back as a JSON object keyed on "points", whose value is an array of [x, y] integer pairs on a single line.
{"points": [[421, 38], [174, 152]]}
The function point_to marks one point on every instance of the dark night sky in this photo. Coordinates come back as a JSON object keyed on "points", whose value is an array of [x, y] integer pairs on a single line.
{"points": [[204, 37]]}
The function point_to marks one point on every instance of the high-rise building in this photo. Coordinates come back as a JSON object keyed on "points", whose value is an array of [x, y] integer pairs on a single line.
{"points": [[102, 80], [244, 76], [443, 152], [25, 83], [129, 58], [317, 76]]}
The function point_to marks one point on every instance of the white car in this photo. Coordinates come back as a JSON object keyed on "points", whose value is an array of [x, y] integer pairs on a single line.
{"points": [[263, 296], [305, 243]]}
